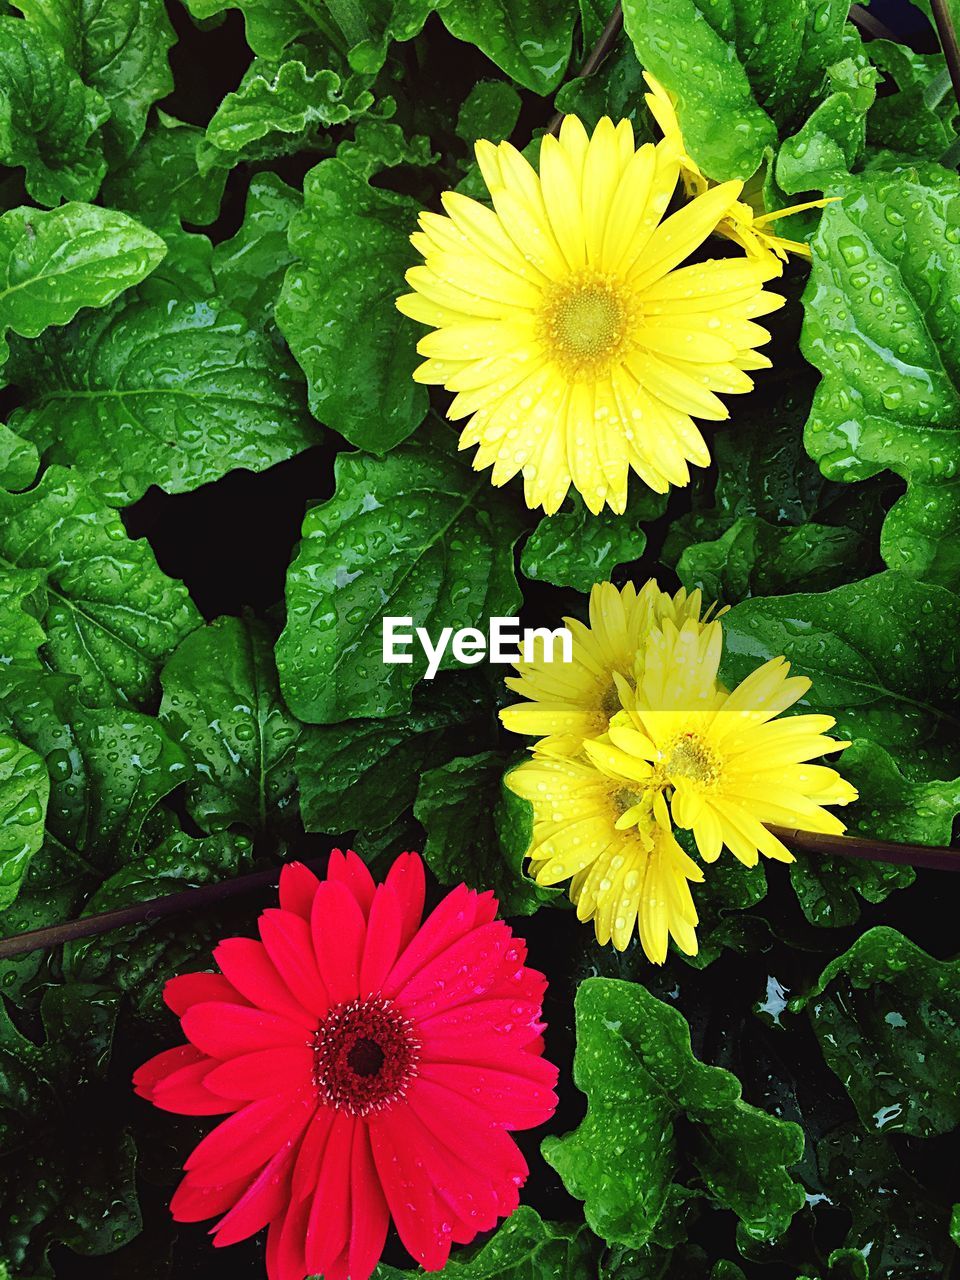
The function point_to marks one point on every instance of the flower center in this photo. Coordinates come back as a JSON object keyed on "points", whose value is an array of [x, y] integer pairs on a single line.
{"points": [[585, 323], [690, 757], [366, 1054]]}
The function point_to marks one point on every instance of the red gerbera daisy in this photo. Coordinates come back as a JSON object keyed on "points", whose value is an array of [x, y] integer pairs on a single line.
{"points": [[373, 1066]]}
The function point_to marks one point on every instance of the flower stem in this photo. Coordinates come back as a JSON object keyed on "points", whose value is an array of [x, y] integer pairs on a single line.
{"points": [[608, 38]]}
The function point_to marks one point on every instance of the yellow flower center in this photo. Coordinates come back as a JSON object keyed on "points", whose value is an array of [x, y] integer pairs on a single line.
{"points": [[585, 322], [689, 757]]}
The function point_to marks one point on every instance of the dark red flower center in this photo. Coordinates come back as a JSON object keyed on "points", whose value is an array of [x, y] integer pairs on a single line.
{"points": [[366, 1055]]}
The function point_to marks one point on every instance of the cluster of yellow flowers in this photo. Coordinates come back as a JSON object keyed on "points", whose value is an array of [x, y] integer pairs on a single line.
{"points": [[577, 346], [637, 736]]}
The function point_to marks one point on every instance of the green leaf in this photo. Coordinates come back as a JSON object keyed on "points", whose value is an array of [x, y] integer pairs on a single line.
{"points": [[108, 767], [722, 902], [897, 1232], [615, 89], [635, 1064], [524, 1248], [920, 119], [66, 1165], [162, 178], [160, 391], [881, 327], [832, 139], [49, 119], [576, 549], [222, 703], [249, 267], [123, 57], [53, 263], [19, 460], [736, 62], [285, 98], [362, 775], [352, 246], [413, 534], [460, 806], [138, 959], [490, 110], [887, 1017], [110, 616], [891, 806], [24, 791], [528, 39], [882, 656], [753, 557]]}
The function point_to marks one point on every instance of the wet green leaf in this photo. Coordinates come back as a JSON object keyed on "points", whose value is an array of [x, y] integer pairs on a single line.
{"points": [[66, 1166], [747, 64], [921, 119], [160, 391], [524, 1248], [413, 534], [461, 806], [138, 959], [54, 263], [24, 791], [636, 1067], [880, 324], [352, 248], [285, 98], [576, 549], [361, 775], [528, 39], [490, 110], [108, 613], [122, 55], [49, 119], [887, 1016], [831, 140], [222, 703], [882, 655], [249, 267], [19, 460]]}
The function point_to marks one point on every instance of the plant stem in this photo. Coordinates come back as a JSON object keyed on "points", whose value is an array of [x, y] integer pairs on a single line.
{"points": [[608, 38], [948, 41], [936, 858]]}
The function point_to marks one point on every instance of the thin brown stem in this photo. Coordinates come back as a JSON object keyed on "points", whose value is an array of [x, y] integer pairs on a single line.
{"points": [[936, 858], [948, 41], [608, 38], [868, 25]]}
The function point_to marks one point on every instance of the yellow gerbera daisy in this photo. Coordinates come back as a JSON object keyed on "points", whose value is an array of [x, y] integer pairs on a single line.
{"points": [[620, 879], [745, 222], [727, 762], [575, 700], [576, 347]]}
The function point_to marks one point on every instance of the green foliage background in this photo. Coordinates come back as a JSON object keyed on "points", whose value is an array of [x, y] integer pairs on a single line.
{"points": [[206, 218]]}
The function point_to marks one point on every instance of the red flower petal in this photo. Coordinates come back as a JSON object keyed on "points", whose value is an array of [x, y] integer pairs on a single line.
{"points": [[328, 1230], [306, 1175], [407, 880], [246, 963], [479, 1027], [466, 970], [339, 932], [382, 942], [451, 919], [192, 1202], [370, 1215], [147, 1077], [297, 887], [185, 1092], [352, 872], [481, 1142], [227, 1030], [287, 940], [265, 1198], [419, 1219], [285, 1244], [261, 1074], [517, 1102], [251, 1137], [194, 988]]}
